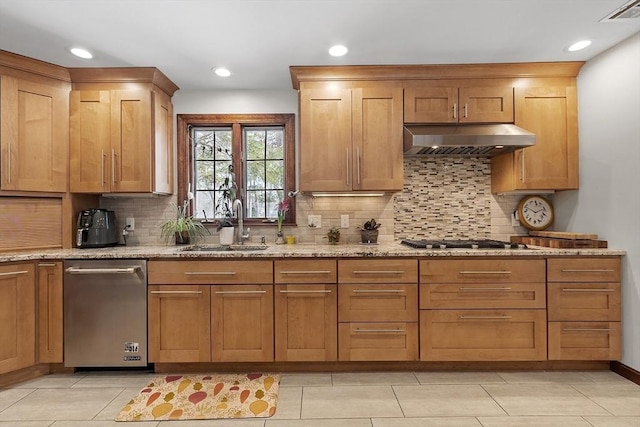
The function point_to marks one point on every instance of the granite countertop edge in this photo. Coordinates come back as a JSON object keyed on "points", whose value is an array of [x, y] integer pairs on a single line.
{"points": [[295, 251]]}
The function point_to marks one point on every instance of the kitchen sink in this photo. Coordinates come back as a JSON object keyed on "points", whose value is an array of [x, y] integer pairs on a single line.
{"points": [[224, 248]]}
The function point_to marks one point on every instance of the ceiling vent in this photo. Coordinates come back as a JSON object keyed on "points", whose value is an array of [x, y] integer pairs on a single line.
{"points": [[630, 10]]}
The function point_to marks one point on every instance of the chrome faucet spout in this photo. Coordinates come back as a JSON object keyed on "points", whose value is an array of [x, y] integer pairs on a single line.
{"points": [[239, 214]]}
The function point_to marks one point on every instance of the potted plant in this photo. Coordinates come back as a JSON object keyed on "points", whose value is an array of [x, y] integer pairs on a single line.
{"points": [[333, 235], [283, 208], [369, 231], [183, 228], [224, 208]]}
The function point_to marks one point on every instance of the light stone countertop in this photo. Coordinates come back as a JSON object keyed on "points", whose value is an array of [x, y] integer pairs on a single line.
{"points": [[295, 251]]}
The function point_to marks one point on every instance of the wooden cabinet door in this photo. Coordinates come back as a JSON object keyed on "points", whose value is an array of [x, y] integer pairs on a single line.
{"points": [[179, 323], [242, 323], [17, 317], [377, 139], [306, 322], [163, 144], [90, 141], [552, 163], [430, 104], [326, 155], [131, 141], [489, 104], [34, 136], [50, 330]]}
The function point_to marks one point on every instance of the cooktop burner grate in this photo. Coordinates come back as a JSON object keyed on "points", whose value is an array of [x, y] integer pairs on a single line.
{"points": [[461, 244]]}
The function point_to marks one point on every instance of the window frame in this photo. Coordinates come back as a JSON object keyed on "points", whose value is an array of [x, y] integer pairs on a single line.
{"points": [[237, 122]]}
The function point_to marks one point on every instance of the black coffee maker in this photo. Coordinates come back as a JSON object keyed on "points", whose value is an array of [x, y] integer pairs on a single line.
{"points": [[96, 229]]}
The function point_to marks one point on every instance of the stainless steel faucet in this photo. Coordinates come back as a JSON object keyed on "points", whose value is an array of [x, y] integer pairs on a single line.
{"points": [[239, 212]]}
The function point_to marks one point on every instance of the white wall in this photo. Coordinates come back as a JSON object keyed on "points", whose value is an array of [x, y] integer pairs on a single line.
{"points": [[608, 202], [236, 101]]}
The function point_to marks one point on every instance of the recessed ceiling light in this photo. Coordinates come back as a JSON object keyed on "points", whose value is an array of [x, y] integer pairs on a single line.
{"points": [[81, 53], [338, 50], [579, 45], [222, 72]]}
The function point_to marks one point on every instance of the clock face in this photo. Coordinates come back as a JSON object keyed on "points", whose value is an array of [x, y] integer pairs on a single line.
{"points": [[536, 213]]}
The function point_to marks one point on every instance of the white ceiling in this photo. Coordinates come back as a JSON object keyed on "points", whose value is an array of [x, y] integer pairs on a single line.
{"points": [[259, 39]]}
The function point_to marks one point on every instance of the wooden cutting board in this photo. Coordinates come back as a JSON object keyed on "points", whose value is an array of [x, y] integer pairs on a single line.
{"points": [[549, 242], [564, 235]]}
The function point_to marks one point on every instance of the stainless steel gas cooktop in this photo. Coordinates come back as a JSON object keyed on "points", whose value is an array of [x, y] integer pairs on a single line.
{"points": [[461, 244]]}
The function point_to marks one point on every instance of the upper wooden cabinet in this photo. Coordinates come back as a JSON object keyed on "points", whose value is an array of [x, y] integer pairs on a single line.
{"points": [[34, 134], [552, 163], [121, 134], [351, 137], [446, 101]]}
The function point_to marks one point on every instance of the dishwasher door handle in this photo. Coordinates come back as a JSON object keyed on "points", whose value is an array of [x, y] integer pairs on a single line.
{"points": [[78, 270]]}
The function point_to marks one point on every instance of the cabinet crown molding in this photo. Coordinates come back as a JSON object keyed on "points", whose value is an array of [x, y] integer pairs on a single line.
{"points": [[436, 71], [124, 75]]}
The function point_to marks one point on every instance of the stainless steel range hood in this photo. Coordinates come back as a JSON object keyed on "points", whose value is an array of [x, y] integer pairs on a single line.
{"points": [[465, 140]]}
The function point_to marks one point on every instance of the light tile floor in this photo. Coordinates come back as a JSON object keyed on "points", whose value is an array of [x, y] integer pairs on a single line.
{"points": [[354, 399]]}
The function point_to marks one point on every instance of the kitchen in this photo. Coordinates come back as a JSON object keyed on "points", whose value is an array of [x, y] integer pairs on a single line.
{"points": [[608, 178]]}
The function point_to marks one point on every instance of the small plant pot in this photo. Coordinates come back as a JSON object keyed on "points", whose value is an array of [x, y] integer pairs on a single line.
{"points": [[182, 238], [369, 236], [226, 235]]}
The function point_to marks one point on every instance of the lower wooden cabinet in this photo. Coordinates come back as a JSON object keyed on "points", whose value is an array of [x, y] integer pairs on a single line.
{"points": [[384, 341], [179, 323], [483, 335], [17, 316], [306, 322], [242, 323], [49, 296], [585, 341]]}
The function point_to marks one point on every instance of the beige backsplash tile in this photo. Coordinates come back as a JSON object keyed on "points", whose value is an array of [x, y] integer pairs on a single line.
{"points": [[444, 197]]}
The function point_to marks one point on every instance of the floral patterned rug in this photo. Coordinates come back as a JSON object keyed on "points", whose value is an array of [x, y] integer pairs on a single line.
{"points": [[200, 397]]}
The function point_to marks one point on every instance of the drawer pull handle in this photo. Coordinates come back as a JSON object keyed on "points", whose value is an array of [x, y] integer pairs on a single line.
{"points": [[587, 270], [14, 273], [586, 330], [239, 292], [378, 291], [46, 264], [305, 272], [177, 292], [358, 330], [463, 317], [378, 271], [504, 288], [587, 290], [485, 272], [212, 273], [308, 291]]}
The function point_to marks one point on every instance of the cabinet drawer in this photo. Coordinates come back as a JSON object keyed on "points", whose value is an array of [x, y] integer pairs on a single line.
{"points": [[305, 271], [583, 269], [377, 303], [483, 335], [584, 301], [209, 272], [378, 271], [378, 341], [482, 271], [511, 295], [584, 341]]}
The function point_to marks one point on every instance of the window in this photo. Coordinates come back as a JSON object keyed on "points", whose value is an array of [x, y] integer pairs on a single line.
{"points": [[257, 149]]}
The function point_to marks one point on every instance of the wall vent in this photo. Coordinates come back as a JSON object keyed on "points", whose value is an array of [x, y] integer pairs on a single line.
{"points": [[629, 10]]}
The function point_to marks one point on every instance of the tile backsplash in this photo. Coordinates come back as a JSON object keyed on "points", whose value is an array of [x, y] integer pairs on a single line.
{"points": [[443, 197]]}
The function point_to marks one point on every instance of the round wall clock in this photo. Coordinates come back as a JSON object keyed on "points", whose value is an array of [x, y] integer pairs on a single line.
{"points": [[535, 212]]}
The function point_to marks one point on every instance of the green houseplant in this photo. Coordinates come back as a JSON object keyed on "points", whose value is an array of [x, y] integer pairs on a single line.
{"points": [[369, 231], [183, 228]]}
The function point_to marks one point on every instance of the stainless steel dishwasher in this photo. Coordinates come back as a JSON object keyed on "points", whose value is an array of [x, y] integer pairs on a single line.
{"points": [[105, 313]]}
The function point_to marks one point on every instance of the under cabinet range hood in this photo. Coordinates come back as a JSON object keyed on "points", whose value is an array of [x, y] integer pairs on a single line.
{"points": [[465, 140]]}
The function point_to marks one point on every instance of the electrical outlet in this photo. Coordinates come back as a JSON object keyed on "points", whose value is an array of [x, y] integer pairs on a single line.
{"points": [[131, 223], [344, 221], [515, 221], [314, 221]]}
